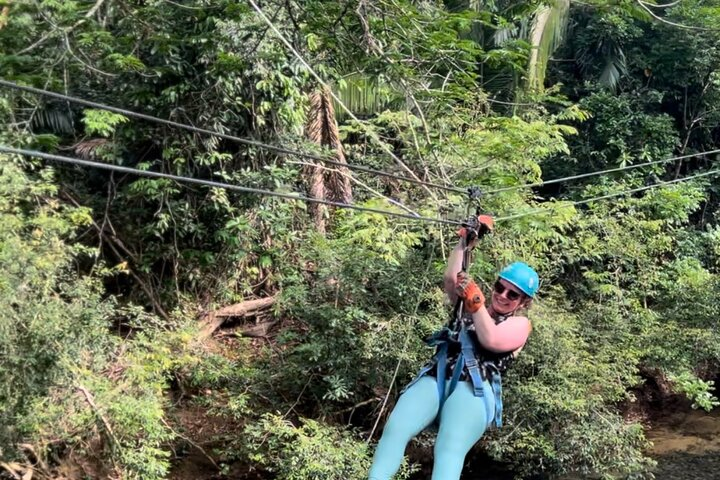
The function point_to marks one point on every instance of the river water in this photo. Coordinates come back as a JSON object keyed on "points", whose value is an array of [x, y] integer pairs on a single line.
{"points": [[686, 445]]}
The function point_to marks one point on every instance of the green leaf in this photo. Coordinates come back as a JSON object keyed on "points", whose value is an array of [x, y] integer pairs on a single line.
{"points": [[102, 122]]}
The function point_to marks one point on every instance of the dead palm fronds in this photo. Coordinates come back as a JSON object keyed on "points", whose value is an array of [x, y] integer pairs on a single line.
{"points": [[326, 184]]}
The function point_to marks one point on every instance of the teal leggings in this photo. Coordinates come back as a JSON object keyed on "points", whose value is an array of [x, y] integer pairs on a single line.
{"points": [[463, 422]]}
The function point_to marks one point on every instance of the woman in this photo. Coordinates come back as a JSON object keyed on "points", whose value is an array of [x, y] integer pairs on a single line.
{"points": [[468, 400]]}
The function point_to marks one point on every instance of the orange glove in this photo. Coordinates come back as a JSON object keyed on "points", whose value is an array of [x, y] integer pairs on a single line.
{"points": [[486, 224], [487, 221], [469, 292]]}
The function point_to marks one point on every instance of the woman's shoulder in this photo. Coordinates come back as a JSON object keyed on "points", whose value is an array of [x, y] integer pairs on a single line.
{"points": [[520, 319]]}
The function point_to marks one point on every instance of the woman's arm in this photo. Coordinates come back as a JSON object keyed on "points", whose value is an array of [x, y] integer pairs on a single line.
{"points": [[506, 336], [454, 266], [486, 224]]}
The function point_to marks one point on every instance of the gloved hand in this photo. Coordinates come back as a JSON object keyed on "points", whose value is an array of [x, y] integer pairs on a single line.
{"points": [[469, 292], [485, 225]]}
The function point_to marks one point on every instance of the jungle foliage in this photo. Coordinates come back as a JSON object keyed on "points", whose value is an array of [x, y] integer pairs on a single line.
{"points": [[106, 280]]}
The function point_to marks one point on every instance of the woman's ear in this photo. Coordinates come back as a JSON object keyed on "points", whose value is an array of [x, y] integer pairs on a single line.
{"points": [[527, 302]]}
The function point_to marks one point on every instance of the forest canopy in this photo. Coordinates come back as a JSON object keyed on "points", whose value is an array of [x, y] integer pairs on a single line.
{"points": [[156, 329]]}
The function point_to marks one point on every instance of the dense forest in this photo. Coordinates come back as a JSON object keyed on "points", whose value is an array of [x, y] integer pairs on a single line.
{"points": [[154, 329]]}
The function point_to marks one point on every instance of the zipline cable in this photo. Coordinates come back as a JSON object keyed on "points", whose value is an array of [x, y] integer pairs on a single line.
{"points": [[605, 197], [211, 183], [290, 47], [599, 172], [292, 196], [188, 127], [233, 138], [287, 151], [371, 133]]}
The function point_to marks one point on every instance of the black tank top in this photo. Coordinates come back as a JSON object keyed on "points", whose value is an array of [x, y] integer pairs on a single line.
{"points": [[501, 360]]}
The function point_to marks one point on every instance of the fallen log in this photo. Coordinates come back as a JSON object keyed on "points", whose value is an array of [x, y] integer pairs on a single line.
{"points": [[215, 319], [259, 330]]}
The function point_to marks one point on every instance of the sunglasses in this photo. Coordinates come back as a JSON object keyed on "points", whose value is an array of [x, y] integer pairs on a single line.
{"points": [[511, 294]]}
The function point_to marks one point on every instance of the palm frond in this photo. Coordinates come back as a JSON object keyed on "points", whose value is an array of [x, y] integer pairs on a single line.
{"points": [[314, 173], [89, 149], [338, 183], [499, 82], [614, 68], [608, 54], [53, 119], [479, 7], [366, 95], [547, 33], [322, 129], [505, 34]]}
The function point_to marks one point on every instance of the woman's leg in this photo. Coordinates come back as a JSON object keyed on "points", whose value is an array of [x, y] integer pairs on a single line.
{"points": [[462, 422], [414, 411]]}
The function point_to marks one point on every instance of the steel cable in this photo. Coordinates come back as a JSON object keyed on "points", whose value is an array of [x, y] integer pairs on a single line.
{"points": [[233, 138], [296, 196], [287, 151], [599, 172], [608, 196], [214, 184]]}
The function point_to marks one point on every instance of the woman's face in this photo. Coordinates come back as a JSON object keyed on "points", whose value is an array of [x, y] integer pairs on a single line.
{"points": [[506, 297]]}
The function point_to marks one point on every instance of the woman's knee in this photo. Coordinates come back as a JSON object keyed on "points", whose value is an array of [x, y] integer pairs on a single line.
{"points": [[456, 442], [449, 457], [397, 430]]}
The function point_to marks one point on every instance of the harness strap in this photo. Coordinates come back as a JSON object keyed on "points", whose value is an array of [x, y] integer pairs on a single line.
{"points": [[440, 340], [485, 377], [471, 363], [454, 380], [496, 382], [440, 375], [492, 388]]}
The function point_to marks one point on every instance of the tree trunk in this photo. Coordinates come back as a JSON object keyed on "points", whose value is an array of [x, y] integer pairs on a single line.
{"points": [[315, 174], [324, 184], [316, 179], [546, 35], [339, 186], [4, 16], [535, 75]]}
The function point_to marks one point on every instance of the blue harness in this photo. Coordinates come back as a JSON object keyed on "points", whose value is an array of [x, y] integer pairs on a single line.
{"points": [[481, 388]]}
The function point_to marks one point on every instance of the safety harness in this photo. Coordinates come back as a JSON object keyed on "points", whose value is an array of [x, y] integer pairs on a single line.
{"points": [[456, 335], [478, 371]]}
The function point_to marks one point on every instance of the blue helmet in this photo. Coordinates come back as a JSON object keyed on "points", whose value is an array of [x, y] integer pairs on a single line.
{"points": [[523, 277]]}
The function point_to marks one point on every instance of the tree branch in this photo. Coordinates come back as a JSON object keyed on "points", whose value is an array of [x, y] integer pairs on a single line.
{"points": [[86, 65], [55, 30], [92, 11], [114, 243], [91, 401], [664, 5], [254, 331], [202, 450], [668, 22]]}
